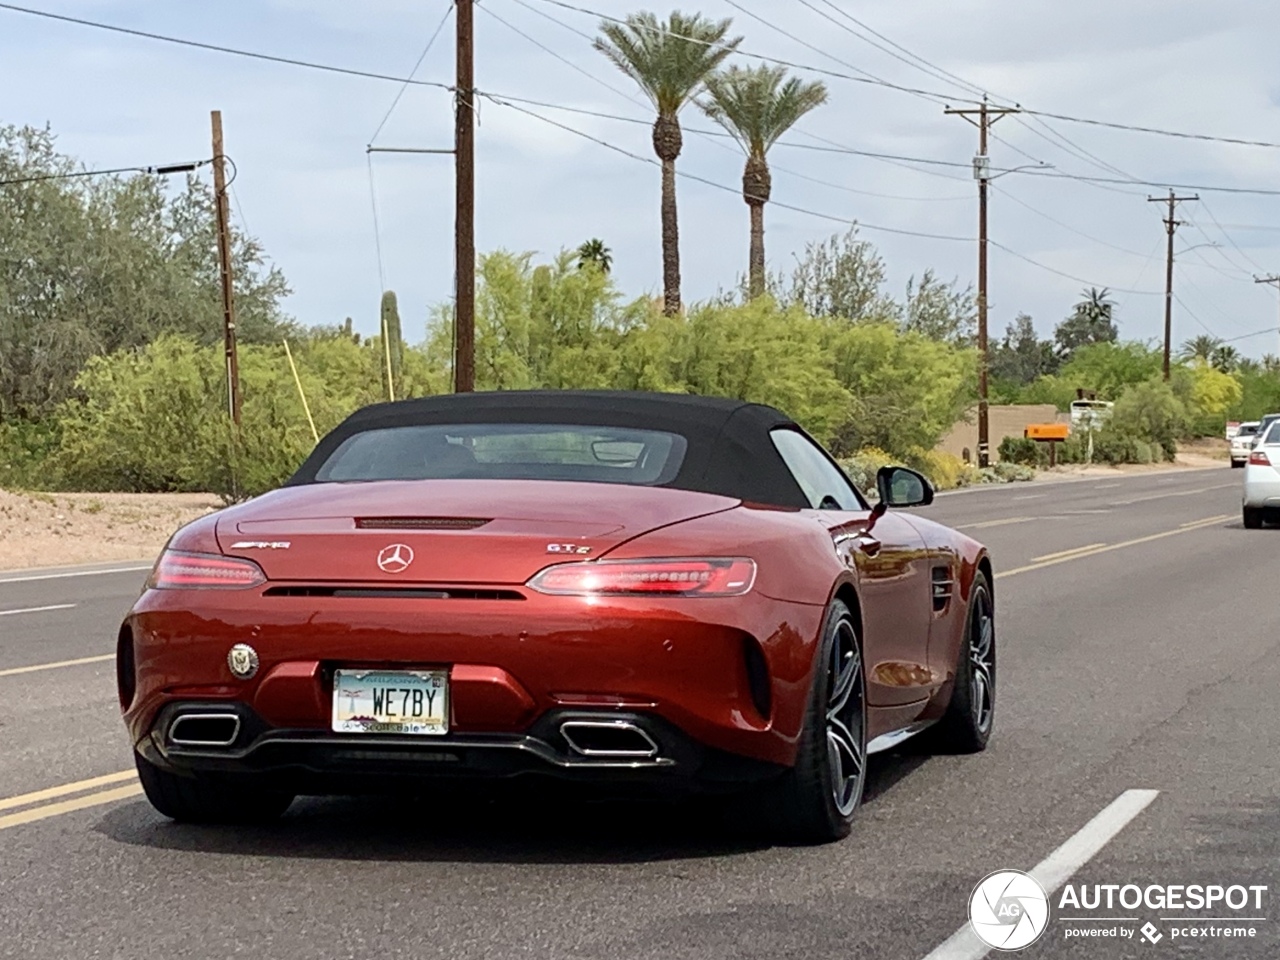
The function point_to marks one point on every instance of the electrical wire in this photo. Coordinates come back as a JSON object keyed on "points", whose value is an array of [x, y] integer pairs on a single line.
{"points": [[377, 232], [933, 94], [77, 174], [935, 98], [216, 48], [405, 86], [494, 98], [1070, 276]]}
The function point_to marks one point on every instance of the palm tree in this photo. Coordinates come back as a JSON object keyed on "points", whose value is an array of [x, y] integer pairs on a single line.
{"points": [[595, 252], [1200, 348], [670, 62], [1225, 358], [757, 105]]}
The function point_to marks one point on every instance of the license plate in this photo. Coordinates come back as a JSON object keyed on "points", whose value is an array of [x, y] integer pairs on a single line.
{"points": [[391, 701]]}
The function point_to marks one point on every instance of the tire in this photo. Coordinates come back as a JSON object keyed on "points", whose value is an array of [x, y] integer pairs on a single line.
{"points": [[199, 799], [966, 726], [1252, 518], [815, 801], [1237, 464]]}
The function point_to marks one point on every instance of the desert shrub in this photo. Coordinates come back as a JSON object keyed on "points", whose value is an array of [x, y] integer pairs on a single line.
{"points": [[945, 471], [863, 465], [1020, 450], [26, 449]]}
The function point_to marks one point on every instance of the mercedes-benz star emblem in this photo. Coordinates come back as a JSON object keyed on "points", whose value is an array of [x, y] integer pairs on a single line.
{"points": [[395, 558], [242, 660]]}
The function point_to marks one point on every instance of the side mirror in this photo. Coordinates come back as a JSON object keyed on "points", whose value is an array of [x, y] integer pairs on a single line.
{"points": [[902, 487]]}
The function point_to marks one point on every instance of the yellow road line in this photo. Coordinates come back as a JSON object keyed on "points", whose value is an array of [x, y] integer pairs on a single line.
{"points": [[993, 523], [1067, 553], [69, 806], [14, 671], [1194, 525], [1208, 520], [8, 803]]}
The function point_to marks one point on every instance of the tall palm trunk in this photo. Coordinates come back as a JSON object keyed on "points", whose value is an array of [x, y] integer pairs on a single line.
{"points": [[667, 142], [757, 184]]}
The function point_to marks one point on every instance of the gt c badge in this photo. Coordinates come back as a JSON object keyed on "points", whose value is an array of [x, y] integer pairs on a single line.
{"points": [[395, 558], [261, 545], [573, 548]]}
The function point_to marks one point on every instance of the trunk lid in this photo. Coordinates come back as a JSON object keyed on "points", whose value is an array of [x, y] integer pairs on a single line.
{"points": [[458, 532]]}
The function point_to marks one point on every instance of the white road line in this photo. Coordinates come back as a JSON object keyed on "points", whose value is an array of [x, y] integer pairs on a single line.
{"points": [[74, 573], [53, 606], [1057, 868]]}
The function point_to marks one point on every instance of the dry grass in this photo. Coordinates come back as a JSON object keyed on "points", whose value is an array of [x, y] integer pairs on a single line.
{"points": [[57, 529]]}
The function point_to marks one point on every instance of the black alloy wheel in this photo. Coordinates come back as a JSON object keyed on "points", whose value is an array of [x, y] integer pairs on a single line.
{"points": [[970, 717]]}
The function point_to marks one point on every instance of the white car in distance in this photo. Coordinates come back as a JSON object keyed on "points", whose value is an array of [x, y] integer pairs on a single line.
{"points": [[1262, 480], [1242, 443]]}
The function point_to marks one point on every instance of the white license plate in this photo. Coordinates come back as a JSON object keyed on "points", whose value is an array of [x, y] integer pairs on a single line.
{"points": [[391, 701]]}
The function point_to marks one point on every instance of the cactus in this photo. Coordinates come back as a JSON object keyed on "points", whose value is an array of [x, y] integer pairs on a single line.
{"points": [[392, 358]]}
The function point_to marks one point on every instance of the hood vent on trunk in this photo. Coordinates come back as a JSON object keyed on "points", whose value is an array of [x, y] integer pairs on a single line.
{"points": [[395, 593], [419, 523]]}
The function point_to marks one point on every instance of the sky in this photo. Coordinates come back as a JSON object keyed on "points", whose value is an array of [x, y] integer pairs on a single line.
{"points": [[307, 188]]}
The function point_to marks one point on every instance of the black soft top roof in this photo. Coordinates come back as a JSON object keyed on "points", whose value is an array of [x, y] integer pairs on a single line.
{"points": [[729, 450]]}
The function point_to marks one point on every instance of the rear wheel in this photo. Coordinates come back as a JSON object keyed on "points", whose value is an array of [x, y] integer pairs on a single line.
{"points": [[199, 799], [966, 726], [1252, 518], [814, 801]]}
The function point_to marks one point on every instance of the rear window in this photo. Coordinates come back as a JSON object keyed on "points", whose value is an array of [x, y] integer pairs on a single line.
{"points": [[1247, 430], [492, 451], [1273, 435]]}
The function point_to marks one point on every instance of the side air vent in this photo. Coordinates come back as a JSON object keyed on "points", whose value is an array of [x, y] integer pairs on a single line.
{"points": [[943, 588], [395, 593], [419, 523]]}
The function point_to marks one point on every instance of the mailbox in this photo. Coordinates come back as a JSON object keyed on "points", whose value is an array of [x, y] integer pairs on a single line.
{"points": [[1047, 431]]}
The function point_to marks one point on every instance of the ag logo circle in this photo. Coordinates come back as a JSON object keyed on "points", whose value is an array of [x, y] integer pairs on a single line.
{"points": [[1009, 910], [242, 660]]}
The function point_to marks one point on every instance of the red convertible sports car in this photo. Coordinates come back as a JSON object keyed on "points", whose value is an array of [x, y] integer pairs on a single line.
{"points": [[641, 590]]}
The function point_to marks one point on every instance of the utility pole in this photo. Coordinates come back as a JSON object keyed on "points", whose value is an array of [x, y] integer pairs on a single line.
{"points": [[1171, 225], [986, 115], [224, 270], [464, 314], [1273, 280]]}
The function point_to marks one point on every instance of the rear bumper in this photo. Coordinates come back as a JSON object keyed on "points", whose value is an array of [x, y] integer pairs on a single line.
{"points": [[730, 675], [1262, 491], [319, 762]]}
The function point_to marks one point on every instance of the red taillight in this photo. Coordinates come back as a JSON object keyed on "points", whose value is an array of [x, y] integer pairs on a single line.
{"points": [[1259, 459], [710, 577], [193, 571]]}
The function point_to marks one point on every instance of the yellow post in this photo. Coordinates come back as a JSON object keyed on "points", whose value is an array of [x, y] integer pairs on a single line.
{"points": [[386, 349], [296, 379]]}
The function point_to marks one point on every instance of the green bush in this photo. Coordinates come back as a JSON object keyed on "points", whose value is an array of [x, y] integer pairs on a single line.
{"points": [[26, 450], [1021, 450]]}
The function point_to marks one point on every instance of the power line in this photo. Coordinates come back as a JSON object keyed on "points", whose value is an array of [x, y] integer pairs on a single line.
{"points": [[405, 85], [216, 48], [719, 136], [497, 99], [77, 174], [932, 94], [936, 98], [1070, 276], [1134, 128]]}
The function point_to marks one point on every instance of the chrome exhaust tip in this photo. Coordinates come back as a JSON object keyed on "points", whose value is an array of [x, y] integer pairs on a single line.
{"points": [[204, 729], [608, 738]]}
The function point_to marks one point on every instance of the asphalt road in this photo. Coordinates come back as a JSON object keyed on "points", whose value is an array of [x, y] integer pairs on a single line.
{"points": [[1139, 651]]}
